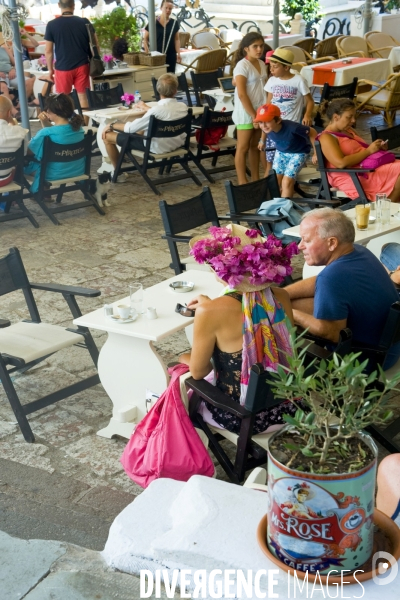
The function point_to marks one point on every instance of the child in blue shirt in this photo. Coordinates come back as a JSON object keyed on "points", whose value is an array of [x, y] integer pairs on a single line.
{"points": [[293, 144]]}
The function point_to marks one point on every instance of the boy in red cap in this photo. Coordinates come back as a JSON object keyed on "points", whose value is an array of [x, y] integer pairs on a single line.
{"points": [[293, 144]]}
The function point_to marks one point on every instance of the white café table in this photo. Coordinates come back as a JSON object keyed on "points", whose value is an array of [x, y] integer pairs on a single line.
{"points": [[394, 57], [374, 230], [285, 39], [377, 69], [105, 116], [129, 364], [374, 237]]}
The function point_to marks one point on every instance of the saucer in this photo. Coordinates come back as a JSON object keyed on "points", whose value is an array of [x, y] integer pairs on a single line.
{"points": [[122, 321]]}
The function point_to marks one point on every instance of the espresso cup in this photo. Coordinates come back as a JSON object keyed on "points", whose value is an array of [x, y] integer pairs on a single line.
{"points": [[124, 311], [362, 216]]}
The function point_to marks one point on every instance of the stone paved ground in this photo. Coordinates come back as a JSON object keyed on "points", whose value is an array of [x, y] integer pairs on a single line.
{"points": [[69, 485]]}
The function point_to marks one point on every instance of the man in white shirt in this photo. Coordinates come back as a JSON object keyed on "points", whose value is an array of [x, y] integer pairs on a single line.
{"points": [[167, 109], [11, 137]]}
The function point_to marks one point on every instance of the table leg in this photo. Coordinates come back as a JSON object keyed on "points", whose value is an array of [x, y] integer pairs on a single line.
{"points": [[127, 367]]}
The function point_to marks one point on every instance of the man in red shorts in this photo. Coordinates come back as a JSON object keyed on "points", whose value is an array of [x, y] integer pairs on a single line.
{"points": [[67, 38]]}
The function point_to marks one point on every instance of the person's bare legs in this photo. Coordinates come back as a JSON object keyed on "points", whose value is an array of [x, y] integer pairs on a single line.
{"points": [[287, 189], [388, 496], [29, 86], [395, 193], [110, 142], [254, 155], [84, 105], [242, 147]]}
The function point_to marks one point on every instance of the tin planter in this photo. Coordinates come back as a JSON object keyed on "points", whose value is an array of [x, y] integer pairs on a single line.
{"points": [[321, 522]]}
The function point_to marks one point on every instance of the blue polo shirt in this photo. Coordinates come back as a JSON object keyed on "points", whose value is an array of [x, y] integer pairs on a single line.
{"points": [[356, 287], [292, 138]]}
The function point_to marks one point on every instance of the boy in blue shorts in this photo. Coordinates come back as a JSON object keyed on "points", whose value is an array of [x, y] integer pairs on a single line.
{"points": [[293, 144]]}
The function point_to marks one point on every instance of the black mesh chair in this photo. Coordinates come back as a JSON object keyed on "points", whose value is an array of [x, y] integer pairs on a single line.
{"points": [[326, 195], [185, 216], [27, 343], [65, 153], [226, 146], [13, 192], [183, 90], [104, 98], [73, 95], [331, 92], [206, 81], [390, 134], [137, 150]]}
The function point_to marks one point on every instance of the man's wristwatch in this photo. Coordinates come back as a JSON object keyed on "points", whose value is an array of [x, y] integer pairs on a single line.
{"points": [[112, 126]]}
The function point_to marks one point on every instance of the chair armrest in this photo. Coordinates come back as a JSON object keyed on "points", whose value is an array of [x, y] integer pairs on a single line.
{"points": [[347, 170], [177, 238], [323, 59], [217, 398], [66, 289], [256, 218], [368, 81], [4, 323]]}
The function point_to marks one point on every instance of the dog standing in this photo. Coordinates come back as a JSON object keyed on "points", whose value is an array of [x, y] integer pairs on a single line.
{"points": [[100, 186]]}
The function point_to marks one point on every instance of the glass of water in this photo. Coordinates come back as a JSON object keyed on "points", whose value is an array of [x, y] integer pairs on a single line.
{"points": [[136, 297], [379, 198], [385, 211]]}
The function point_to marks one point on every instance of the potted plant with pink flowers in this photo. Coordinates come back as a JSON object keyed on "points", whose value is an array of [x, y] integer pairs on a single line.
{"points": [[108, 61], [128, 99]]}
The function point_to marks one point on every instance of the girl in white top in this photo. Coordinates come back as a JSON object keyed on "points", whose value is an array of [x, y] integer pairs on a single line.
{"points": [[250, 74]]}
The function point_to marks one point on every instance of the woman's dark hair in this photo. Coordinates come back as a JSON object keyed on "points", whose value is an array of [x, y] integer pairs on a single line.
{"points": [[62, 106], [119, 48], [247, 41], [335, 107], [166, 2]]}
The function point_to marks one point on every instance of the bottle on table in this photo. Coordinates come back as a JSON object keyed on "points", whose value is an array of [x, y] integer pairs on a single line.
{"points": [[138, 97]]}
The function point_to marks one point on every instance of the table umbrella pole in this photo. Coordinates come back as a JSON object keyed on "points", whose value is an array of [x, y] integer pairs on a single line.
{"points": [[367, 13], [152, 25], [275, 25], [19, 67]]}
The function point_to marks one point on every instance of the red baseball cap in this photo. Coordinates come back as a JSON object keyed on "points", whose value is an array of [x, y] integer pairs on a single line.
{"points": [[267, 113]]}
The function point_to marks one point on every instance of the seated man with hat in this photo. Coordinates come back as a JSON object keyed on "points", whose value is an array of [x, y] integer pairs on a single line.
{"points": [[353, 290], [292, 142], [166, 109]]}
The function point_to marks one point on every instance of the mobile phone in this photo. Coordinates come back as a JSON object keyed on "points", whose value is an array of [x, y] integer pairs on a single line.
{"points": [[184, 310]]}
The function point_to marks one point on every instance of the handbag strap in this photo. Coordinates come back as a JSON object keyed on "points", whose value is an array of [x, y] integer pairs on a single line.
{"points": [[93, 48], [341, 135]]}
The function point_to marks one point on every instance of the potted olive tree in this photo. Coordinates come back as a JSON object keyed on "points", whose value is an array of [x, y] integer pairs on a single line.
{"points": [[117, 24], [322, 466]]}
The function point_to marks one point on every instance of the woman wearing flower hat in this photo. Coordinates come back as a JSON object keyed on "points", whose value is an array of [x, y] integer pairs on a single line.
{"points": [[247, 324]]}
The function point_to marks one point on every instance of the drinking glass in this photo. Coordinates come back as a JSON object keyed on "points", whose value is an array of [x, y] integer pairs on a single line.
{"points": [[362, 216], [385, 211], [378, 200], [136, 297]]}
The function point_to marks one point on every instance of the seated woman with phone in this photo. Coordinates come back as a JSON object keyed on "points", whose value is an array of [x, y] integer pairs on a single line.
{"points": [[248, 323], [343, 148]]}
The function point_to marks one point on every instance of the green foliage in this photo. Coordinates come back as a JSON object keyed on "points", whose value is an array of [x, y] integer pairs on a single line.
{"points": [[341, 399], [117, 24], [392, 4], [310, 9]]}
